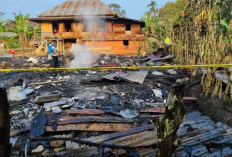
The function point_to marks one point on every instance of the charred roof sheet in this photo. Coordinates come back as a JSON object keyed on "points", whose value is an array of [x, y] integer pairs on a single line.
{"points": [[78, 8]]}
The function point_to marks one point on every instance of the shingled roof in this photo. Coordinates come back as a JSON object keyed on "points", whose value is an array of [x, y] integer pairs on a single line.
{"points": [[79, 8]]}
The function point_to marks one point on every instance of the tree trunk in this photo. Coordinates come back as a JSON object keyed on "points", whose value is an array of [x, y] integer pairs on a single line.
{"points": [[169, 124], [4, 124]]}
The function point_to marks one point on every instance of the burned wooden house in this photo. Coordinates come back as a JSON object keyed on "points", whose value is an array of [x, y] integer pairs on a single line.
{"points": [[92, 24]]}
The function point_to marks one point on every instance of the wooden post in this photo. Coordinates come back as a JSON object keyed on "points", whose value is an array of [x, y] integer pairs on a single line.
{"points": [[4, 124], [46, 48], [231, 29], [168, 125]]}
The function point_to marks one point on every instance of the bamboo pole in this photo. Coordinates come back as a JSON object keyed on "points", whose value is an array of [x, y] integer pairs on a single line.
{"points": [[42, 83], [4, 124]]}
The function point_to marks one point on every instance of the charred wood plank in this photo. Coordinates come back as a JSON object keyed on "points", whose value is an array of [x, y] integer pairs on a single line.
{"points": [[108, 127], [85, 111], [154, 110], [90, 143], [18, 132], [121, 133], [151, 116], [4, 124]]}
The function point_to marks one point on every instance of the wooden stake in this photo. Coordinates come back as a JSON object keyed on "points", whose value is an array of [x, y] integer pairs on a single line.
{"points": [[4, 124]]}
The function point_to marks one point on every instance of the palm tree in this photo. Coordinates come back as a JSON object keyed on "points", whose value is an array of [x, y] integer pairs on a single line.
{"points": [[152, 7]]}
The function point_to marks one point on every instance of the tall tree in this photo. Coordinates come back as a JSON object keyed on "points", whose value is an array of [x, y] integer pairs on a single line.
{"points": [[171, 12], [117, 9]]}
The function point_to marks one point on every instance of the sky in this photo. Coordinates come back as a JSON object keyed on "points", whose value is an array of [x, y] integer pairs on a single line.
{"points": [[134, 8]]}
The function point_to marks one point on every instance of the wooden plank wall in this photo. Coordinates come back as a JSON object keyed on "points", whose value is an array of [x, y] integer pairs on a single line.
{"points": [[135, 29], [114, 47], [46, 27], [78, 27], [61, 27], [109, 27], [74, 27], [110, 47], [119, 28]]}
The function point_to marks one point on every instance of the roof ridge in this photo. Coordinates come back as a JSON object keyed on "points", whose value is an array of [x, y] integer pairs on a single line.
{"points": [[78, 8]]}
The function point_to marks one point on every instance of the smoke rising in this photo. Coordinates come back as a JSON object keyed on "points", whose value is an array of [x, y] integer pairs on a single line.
{"points": [[82, 57]]}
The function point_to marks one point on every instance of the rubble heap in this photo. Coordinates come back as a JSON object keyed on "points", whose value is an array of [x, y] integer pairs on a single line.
{"points": [[87, 113]]}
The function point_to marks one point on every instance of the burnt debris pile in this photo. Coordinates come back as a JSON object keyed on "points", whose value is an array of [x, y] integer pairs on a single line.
{"points": [[102, 113]]}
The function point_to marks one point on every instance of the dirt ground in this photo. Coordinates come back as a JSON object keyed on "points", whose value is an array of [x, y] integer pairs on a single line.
{"points": [[211, 107]]}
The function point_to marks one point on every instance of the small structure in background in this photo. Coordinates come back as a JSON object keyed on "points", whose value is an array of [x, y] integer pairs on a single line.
{"points": [[91, 23]]}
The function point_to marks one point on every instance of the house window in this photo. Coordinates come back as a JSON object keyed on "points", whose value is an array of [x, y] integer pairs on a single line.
{"points": [[85, 27], [55, 27], [128, 27], [102, 27], [68, 26], [126, 43], [70, 41]]}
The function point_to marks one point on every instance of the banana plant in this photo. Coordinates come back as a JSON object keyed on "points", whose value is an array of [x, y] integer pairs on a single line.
{"points": [[22, 27]]}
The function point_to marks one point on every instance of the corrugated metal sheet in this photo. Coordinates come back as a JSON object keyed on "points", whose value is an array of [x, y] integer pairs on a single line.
{"points": [[135, 76], [197, 131], [78, 8], [131, 76], [113, 76]]}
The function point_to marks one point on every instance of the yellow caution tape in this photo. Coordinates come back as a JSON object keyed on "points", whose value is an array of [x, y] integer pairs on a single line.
{"points": [[115, 68]]}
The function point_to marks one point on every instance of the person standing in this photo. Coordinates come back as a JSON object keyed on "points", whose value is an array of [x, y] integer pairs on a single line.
{"points": [[1, 48], [50, 51], [55, 54]]}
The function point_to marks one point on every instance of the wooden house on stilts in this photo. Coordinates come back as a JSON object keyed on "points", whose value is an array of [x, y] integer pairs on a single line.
{"points": [[91, 23]]}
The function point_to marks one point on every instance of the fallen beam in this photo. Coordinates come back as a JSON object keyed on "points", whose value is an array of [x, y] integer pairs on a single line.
{"points": [[90, 119], [85, 111], [111, 127], [42, 83], [120, 134]]}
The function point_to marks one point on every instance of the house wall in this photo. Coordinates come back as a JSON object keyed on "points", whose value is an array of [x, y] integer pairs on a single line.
{"points": [[114, 47], [74, 27], [46, 27], [78, 27], [61, 27], [119, 28], [109, 27], [135, 29]]}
